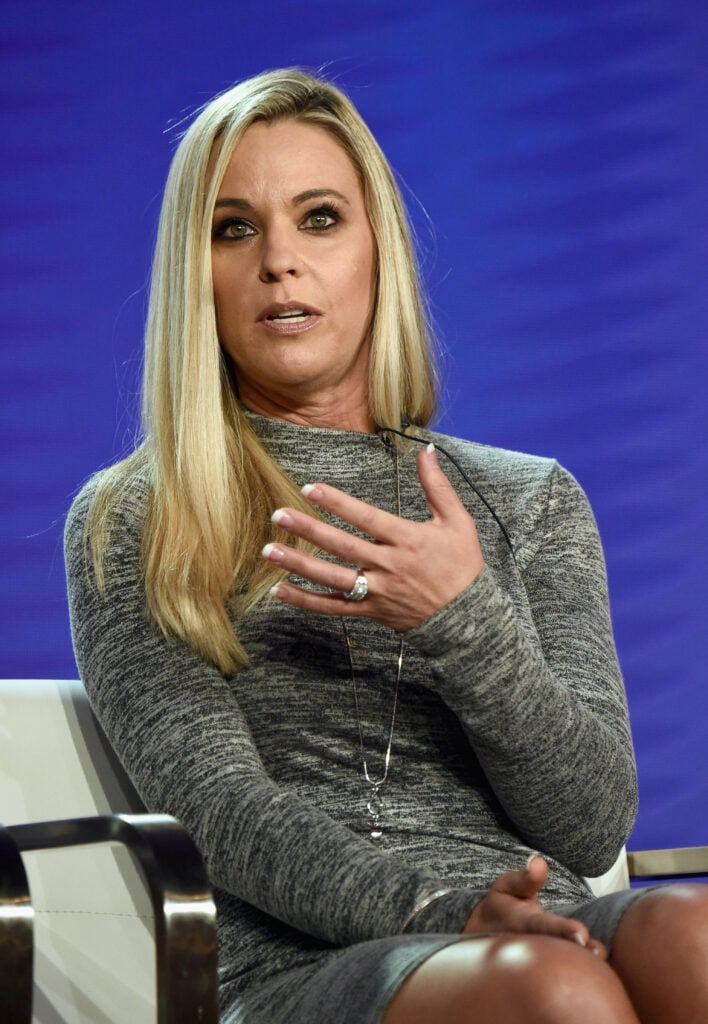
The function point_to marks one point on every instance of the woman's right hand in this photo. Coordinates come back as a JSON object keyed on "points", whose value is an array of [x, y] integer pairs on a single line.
{"points": [[512, 905], [413, 569]]}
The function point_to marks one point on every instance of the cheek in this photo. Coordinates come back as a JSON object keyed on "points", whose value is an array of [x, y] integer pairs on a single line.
{"points": [[358, 281], [368, 272], [228, 300]]}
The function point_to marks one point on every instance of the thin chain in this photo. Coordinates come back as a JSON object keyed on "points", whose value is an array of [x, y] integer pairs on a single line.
{"points": [[375, 804]]}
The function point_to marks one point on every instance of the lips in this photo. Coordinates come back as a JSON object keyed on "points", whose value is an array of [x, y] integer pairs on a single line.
{"points": [[289, 317]]}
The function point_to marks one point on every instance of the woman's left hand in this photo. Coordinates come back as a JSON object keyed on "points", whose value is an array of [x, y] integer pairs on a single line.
{"points": [[512, 905], [412, 569]]}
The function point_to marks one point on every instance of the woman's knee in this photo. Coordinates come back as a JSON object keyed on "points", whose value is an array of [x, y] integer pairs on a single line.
{"points": [[660, 951], [524, 978], [667, 922]]}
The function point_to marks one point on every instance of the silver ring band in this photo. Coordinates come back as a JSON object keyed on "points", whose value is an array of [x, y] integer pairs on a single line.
{"points": [[359, 590]]}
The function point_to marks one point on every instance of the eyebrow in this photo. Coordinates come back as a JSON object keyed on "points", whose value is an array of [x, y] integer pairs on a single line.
{"points": [[298, 200]]}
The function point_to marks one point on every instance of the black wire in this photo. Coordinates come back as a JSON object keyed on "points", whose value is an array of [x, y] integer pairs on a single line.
{"points": [[460, 470]]}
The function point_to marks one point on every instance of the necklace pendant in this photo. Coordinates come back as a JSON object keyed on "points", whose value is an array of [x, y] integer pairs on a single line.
{"points": [[374, 811], [375, 805]]}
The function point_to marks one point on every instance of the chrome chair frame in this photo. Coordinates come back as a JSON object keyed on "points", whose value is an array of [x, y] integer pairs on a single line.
{"points": [[16, 933], [185, 915]]}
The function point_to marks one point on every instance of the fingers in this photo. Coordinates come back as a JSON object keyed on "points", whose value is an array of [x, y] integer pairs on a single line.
{"points": [[547, 923], [322, 604], [383, 526], [326, 574], [598, 949], [439, 493], [571, 930], [325, 537], [374, 522]]}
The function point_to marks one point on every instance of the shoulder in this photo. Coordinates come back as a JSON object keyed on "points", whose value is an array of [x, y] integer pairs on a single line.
{"points": [[532, 494], [113, 504], [513, 478]]}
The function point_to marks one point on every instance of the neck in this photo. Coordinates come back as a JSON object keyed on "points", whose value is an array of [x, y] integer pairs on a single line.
{"points": [[334, 411]]}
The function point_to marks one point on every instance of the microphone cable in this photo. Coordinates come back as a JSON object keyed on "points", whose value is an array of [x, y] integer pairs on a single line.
{"points": [[460, 470]]}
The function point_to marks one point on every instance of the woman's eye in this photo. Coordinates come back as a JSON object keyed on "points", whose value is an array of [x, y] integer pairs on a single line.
{"points": [[320, 220], [234, 229]]}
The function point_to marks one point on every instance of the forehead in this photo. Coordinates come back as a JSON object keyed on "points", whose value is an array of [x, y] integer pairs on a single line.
{"points": [[286, 158]]}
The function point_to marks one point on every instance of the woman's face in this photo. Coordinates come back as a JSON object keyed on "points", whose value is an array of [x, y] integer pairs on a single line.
{"points": [[294, 261]]}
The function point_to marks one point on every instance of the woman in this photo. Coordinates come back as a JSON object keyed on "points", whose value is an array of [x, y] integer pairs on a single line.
{"points": [[372, 711]]}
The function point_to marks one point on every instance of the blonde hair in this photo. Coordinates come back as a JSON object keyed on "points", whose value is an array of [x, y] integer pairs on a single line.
{"points": [[212, 485]]}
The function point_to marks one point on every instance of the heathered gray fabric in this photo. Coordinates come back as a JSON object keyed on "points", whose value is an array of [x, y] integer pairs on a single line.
{"points": [[511, 734]]}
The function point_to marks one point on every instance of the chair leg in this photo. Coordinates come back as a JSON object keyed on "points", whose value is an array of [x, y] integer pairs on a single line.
{"points": [[16, 934]]}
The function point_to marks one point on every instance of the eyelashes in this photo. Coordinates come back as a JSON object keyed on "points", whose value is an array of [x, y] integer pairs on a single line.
{"points": [[233, 229], [319, 220], [327, 212]]}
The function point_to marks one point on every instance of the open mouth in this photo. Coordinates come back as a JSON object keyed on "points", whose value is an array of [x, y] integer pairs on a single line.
{"points": [[290, 316]]}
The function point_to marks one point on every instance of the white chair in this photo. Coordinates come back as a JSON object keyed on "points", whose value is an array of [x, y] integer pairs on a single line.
{"points": [[96, 916]]}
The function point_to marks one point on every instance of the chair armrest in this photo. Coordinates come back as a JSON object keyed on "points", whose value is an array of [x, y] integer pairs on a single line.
{"points": [[185, 916], [682, 862], [16, 930]]}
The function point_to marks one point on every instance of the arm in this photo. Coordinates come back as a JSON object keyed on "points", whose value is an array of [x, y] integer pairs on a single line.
{"points": [[545, 711], [176, 726]]}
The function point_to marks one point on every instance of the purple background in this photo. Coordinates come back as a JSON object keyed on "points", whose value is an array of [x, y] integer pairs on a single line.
{"points": [[561, 154]]}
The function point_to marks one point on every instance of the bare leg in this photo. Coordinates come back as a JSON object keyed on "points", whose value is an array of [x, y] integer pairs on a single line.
{"points": [[518, 979], [660, 952]]}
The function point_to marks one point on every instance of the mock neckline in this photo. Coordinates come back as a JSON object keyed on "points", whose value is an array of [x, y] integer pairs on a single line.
{"points": [[273, 428]]}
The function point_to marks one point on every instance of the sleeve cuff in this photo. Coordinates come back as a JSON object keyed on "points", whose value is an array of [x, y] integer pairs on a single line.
{"points": [[460, 621], [446, 912]]}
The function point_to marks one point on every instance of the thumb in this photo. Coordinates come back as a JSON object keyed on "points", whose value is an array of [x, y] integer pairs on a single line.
{"points": [[537, 871], [525, 883]]}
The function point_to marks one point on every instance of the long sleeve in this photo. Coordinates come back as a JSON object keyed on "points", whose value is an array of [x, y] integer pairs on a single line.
{"points": [[542, 701], [177, 727]]}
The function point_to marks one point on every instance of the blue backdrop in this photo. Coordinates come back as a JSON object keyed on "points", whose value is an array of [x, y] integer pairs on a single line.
{"points": [[555, 158]]}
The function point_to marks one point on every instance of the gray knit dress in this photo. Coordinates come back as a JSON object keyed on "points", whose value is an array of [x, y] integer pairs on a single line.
{"points": [[511, 735]]}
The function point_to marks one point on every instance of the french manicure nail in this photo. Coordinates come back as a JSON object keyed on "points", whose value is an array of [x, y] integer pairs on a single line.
{"points": [[270, 551], [282, 517], [274, 590], [312, 491], [577, 937], [432, 454]]}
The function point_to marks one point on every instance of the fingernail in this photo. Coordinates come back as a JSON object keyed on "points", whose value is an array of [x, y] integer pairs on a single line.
{"points": [[313, 492], [596, 951], [432, 454], [282, 517], [577, 937], [274, 590], [274, 554], [528, 862]]}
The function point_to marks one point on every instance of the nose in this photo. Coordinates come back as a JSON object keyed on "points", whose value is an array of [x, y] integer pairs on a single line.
{"points": [[280, 257]]}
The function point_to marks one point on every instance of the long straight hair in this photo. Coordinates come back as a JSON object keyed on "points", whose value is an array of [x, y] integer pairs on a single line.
{"points": [[211, 484]]}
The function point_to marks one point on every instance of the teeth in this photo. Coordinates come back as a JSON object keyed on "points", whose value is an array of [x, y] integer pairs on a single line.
{"points": [[291, 314]]}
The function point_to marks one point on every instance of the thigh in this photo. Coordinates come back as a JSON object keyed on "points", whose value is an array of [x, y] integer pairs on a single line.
{"points": [[602, 914], [349, 986]]}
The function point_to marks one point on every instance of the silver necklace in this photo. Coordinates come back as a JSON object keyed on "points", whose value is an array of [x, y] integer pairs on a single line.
{"points": [[374, 804]]}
